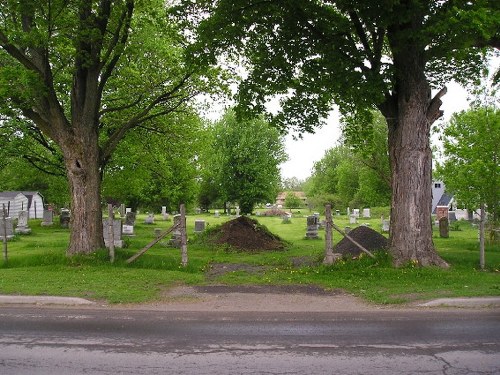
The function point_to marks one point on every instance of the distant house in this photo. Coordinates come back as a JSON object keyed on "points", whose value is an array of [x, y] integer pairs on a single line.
{"points": [[280, 199], [15, 201], [440, 197]]}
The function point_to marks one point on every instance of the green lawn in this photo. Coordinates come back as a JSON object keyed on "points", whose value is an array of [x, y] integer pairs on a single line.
{"points": [[38, 266]]}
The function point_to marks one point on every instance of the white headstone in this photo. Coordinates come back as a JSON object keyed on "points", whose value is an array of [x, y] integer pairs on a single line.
{"points": [[127, 230], [150, 219], [22, 223], [385, 226], [355, 212], [366, 213], [127, 210], [353, 219], [216, 213]]}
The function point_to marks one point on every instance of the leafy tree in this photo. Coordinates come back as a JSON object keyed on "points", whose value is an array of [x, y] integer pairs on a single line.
{"points": [[292, 200], [292, 184], [471, 170], [243, 161], [360, 55], [83, 74]]}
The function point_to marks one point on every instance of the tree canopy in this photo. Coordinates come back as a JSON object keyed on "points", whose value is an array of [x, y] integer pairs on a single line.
{"points": [[471, 170], [242, 164], [360, 55], [83, 74]]}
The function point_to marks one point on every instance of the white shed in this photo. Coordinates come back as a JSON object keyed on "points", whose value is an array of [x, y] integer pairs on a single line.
{"points": [[16, 201]]}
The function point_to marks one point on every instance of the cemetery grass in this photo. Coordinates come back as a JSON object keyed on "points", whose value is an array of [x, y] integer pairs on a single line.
{"points": [[37, 265]]}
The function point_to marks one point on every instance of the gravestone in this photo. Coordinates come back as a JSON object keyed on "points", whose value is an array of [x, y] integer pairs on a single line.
{"points": [[355, 212], [130, 218], [175, 241], [348, 212], [64, 218], [347, 230], [444, 227], [157, 232], [7, 229], [385, 226], [353, 219], [367, 213], [164, 212], [127, 210], [452, 217], [312, 228], [216, 213], [197, 210], [122, 210], [237, 211], [117, 232], [128, 227], [337, 212], [150, 219], [48, 218], [199, 226], [22, 223]]}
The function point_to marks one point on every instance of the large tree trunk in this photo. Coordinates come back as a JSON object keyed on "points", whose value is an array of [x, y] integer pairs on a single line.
{"points": [[409, 112], [82, 167]]}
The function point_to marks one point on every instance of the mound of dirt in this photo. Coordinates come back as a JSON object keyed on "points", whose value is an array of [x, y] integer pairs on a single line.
{"points": [[367, 237], [246, 234]]}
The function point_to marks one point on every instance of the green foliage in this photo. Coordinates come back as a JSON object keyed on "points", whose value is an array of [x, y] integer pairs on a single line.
{"points": [[150, 170], [38, 266], [242, 163], [471, 170], [292, 200]]}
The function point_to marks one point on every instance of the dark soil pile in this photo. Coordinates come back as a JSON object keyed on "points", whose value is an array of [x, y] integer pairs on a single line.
{"points": [[367, 237], [246, 234]]}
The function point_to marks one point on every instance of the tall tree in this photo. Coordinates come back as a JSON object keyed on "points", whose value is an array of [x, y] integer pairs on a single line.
{"points": [[244, 160], [84, 73], [471, 170], [360, 55]]}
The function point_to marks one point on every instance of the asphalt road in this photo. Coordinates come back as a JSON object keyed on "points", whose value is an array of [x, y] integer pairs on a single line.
{"points": [[109, 341]]}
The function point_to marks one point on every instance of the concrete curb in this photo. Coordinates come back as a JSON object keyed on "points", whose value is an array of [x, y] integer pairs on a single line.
{"points": [[464, 302], [44, 300]]}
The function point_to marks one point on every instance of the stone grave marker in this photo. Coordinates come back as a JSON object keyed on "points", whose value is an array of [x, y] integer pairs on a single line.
{"points": [[353, 219], [385, 226], [199, 226], [48, 218], [347, 230], [64, 218], [164, 212], [312, 227], [8, 229], [128, 227], [175, 241], [355, 212], [22, 223], [337, 212], [127, 210], [216, 213], [367, 213], [444, 227], [348, 211], [122, 210], [150, 219], [237, 211], [117, 232]]}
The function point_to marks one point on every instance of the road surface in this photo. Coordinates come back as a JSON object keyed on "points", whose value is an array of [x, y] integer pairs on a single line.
{"points": [[113, 341]]}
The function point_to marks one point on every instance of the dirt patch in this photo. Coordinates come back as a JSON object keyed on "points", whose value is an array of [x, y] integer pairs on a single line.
{"points": [[311, 290], [219, 269], [246, 234], [367, 237]]}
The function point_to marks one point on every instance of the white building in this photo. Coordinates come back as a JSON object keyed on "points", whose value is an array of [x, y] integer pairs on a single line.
{"points": [[15, 201]]}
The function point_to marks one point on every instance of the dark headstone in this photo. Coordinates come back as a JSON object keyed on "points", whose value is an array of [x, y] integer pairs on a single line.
{"points": [[444, 227], [64, 218]]}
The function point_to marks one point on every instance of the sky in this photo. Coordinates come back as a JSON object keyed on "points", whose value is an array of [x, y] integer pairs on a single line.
{"points": [[303, 153]]}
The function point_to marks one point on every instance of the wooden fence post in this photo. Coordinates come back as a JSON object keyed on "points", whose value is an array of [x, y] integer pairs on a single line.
{"points": [[184, 254], [4, 234], [328, 236], [111, 233]]}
